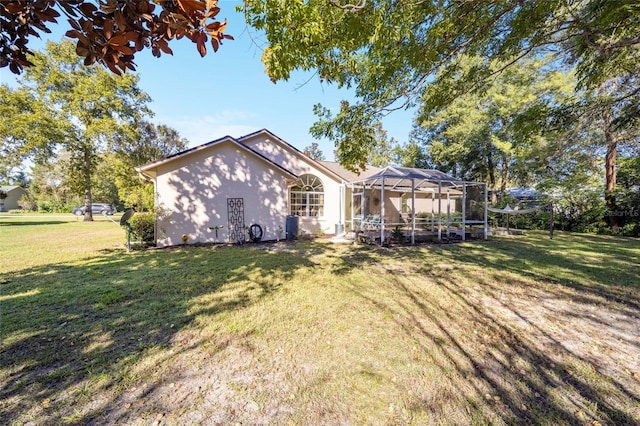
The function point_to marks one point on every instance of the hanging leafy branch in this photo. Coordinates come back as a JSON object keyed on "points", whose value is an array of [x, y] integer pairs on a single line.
{"points": [[112, 32]]}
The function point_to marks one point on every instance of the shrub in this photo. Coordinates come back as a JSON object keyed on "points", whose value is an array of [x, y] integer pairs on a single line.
{"points": [[142, 227], [26, 202], [631, 230], [627, 212], [582, 211], [54, 206]]}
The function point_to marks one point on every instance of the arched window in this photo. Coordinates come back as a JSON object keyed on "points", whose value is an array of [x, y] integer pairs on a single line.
{"points": [[307, 197]]}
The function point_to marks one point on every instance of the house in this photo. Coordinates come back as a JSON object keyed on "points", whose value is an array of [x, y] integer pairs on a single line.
{"points": [[9, 197], [218, 191]]}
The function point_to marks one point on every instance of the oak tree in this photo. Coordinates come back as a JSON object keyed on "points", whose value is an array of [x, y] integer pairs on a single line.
{"points": [[501, 134], [81, 110]]}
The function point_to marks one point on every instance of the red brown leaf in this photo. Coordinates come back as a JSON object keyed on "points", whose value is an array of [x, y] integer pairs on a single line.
{"points": [[202, 49], [14, 8], [87, 8], [119, 40], [108, 28]]}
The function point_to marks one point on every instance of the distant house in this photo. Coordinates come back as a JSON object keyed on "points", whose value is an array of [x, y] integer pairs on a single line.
{"points": [[216, 191], [9, 197]]}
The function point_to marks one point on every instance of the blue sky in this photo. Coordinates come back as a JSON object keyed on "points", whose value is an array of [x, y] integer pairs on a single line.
{"points": [[228, 93]]}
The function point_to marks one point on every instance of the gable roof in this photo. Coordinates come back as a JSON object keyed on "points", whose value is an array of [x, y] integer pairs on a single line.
{"points": [[318, 164], [145, 167], [331, 168], [9, 188]]}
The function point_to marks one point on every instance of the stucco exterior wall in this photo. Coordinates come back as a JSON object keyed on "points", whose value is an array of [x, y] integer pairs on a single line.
{"points": [[193, 191], [297, 163]]}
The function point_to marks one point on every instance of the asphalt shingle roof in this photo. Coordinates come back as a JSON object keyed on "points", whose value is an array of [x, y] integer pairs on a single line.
{"points": [[348, 175]]}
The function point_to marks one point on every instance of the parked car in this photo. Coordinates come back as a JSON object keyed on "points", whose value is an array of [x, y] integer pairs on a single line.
{"points": [[103, 209]]}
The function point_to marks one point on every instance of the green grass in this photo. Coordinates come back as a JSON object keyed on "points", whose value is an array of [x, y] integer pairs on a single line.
{"points": [[515, 330]]}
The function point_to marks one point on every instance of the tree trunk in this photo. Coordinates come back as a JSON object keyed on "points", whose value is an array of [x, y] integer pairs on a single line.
{"points": [[492, 178], [504, 175], [611, 175], [86, 172]]}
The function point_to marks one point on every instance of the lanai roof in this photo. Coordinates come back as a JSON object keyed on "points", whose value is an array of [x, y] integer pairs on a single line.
{"points": [[403, 177]]}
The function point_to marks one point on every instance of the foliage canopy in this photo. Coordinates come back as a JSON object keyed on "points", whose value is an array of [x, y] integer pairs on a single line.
{"points": [[112, 32], [389, 51]]}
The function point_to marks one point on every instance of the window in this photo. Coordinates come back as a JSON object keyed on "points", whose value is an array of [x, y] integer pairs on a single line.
{"points": [[307, 197]]}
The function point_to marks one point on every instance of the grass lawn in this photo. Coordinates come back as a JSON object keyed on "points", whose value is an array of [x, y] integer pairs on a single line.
{"points": [[518, 330]]}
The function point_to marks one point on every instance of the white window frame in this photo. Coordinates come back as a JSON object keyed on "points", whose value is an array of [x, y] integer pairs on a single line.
{"points": [[306, 197]]}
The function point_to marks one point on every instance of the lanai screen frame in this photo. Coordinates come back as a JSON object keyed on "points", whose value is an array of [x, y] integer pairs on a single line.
{"points": [[425, 180]]}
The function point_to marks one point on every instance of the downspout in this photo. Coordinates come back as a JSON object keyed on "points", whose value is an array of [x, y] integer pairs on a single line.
{"points": [[353, 228], [448, 211], [341, 214], [155, 192], [363, 200], [433, 206]]}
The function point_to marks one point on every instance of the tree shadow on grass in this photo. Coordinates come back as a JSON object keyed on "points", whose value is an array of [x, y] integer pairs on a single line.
{"points": [[597, 266], [508, 354], [501, 371], [70, 327], [33, 223]]}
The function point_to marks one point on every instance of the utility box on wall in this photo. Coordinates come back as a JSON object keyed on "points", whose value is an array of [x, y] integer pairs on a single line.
{"points": [[292, 227]]}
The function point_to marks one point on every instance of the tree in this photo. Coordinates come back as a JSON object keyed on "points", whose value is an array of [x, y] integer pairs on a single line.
{"points": [[411, 154], [389, 51], [85, 109], [382, 154], [599, 111], [50, 191], [504, 133], [148, 143], [313, 151], [23, 116], [110, 33], [628, 196], [356, 147], [20, 178]]}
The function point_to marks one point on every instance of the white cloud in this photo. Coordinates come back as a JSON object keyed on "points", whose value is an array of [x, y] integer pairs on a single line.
{"points": [[202, 129]]}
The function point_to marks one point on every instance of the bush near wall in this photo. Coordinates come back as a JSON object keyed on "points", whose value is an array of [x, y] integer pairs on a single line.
{"points": [[142, 227]]}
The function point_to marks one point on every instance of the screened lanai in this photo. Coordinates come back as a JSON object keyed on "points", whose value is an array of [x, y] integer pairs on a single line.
{"points": [[418, 203]]}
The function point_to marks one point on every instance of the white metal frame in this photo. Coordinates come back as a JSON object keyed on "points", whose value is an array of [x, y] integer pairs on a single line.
{"points": [[444, 186]]}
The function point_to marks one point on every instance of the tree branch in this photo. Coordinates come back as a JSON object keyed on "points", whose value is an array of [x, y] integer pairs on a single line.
{"points": [[351, 8]]}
